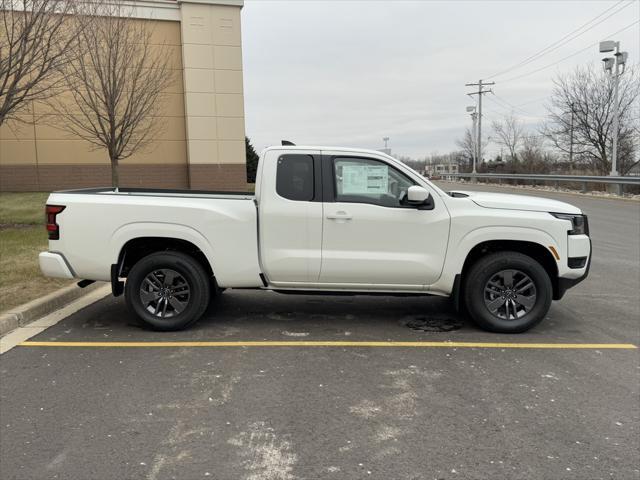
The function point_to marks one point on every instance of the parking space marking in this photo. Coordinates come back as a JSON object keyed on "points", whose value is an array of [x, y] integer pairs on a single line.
{"points": [[21, 334], [587, 346]]}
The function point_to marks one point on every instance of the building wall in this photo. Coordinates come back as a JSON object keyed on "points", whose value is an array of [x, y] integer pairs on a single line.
{"points": [[214, 103], [201, 144]]}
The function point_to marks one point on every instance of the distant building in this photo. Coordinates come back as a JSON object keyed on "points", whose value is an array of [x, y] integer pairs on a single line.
{"points": [[440, 169], [386, 151]]}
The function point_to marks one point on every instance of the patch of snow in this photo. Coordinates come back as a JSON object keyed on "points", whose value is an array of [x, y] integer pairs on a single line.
{"points": [[386, 432], [295, 334], [266, 456], [365, 409]]}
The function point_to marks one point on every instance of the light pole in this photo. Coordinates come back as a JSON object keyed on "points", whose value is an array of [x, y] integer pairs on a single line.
{"points": [[474, 118], [618, 60], [571, 139]]}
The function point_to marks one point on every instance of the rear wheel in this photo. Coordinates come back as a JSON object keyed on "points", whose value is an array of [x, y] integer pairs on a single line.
{"points": [[507, 292], [168, 290]]}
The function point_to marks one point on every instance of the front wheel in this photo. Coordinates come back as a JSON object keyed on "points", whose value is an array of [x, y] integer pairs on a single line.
{"points": [[507, 292], [168, 290]]}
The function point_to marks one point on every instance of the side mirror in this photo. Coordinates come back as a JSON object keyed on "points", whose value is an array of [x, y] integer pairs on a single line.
{"points": [[419, 197], [416, 195]]}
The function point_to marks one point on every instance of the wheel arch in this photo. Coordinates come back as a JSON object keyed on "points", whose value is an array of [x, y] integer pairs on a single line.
{"points": [[538, 252], [178, 236], [137, 248]]}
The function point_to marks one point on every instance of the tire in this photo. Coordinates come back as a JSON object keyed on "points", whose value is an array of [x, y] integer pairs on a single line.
{"points": [[495, 305], [168, 290]]}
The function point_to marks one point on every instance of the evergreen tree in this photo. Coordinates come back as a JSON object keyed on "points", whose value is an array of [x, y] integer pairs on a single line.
{"points": [[252, 161]]}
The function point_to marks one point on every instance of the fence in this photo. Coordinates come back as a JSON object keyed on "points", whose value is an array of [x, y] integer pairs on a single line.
{"points": [[617, 182]]}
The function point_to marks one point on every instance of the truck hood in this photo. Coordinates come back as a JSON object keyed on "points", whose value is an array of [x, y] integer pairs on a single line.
{"points": [[519, 202]]}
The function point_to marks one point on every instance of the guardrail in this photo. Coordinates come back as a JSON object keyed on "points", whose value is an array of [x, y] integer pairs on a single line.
{"points": [[617, 182]]}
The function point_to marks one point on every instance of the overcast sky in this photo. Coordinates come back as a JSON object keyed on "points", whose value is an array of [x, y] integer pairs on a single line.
{"points": [[351, 72]]}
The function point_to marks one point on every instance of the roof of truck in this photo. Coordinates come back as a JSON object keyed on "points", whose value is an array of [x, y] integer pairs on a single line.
{"points": [[327, 148]]}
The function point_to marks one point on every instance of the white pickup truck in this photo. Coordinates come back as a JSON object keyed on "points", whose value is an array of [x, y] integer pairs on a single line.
{"points": [[322, 220]]}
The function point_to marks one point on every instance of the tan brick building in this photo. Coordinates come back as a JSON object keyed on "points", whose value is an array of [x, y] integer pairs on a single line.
{"points": [[202, 143]]}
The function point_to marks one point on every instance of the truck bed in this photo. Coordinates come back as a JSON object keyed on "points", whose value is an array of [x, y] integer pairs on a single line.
{"points": [[162, 192], [97, 223]]}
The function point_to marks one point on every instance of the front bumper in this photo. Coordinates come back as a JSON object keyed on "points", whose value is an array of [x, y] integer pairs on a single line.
{"points": [[54, 265], [565, 284]]}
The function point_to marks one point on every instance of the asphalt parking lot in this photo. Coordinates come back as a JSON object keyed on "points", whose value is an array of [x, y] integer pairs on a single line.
{"points": [[360, 409]]}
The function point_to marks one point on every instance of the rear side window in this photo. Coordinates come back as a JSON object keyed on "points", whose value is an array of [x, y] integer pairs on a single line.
{"points": [[294, 178]]}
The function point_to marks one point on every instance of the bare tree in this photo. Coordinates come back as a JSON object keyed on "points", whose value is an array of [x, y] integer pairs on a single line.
{"points": [[535, 158], [581, 114], [35, 40], [509, 133], [117, 80], [467, 145]]}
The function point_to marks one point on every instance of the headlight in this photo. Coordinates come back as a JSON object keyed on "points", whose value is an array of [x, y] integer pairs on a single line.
{"points": [[579, 223]]}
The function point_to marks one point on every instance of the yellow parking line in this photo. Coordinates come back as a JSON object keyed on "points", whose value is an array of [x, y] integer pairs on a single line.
{"points": [[592, 346]]}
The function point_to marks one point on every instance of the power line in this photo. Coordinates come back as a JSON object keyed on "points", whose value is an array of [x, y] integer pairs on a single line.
{"points": [[516, 107], [491, 110], [506, 104], [532, 101], [529, 102], [564, 40], [501, 102], [568, 56], [554, 46], [501, 114]]}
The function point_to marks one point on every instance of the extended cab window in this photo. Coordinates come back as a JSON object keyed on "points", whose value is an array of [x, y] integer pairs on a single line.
{"points": [[362, 180], [294, 178]]}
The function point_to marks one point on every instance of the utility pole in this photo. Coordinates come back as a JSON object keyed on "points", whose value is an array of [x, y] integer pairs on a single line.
{"points": [[481, 91]]}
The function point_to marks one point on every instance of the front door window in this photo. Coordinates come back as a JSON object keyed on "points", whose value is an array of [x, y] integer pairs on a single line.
{"points": [[360, 180]]}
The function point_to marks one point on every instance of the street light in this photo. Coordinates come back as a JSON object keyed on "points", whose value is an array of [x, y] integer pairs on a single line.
{"points": [[475, 149], [607, 46], [618, 60], [608, 63]]}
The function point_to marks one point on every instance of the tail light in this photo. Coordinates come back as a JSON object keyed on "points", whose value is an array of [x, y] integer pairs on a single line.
{"points": [[53, 228]]}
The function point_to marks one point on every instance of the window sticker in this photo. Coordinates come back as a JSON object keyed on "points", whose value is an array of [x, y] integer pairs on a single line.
{"points": [[363, 179]]}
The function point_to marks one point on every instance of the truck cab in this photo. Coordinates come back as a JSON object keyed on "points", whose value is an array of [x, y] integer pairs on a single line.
{"points": [[349, 222]]}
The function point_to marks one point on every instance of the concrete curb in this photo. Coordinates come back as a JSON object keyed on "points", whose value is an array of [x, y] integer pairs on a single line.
{"points": [[30, 311]]}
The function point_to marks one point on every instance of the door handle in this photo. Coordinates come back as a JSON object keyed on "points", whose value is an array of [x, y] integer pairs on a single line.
{"points": [[341, 215]]}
